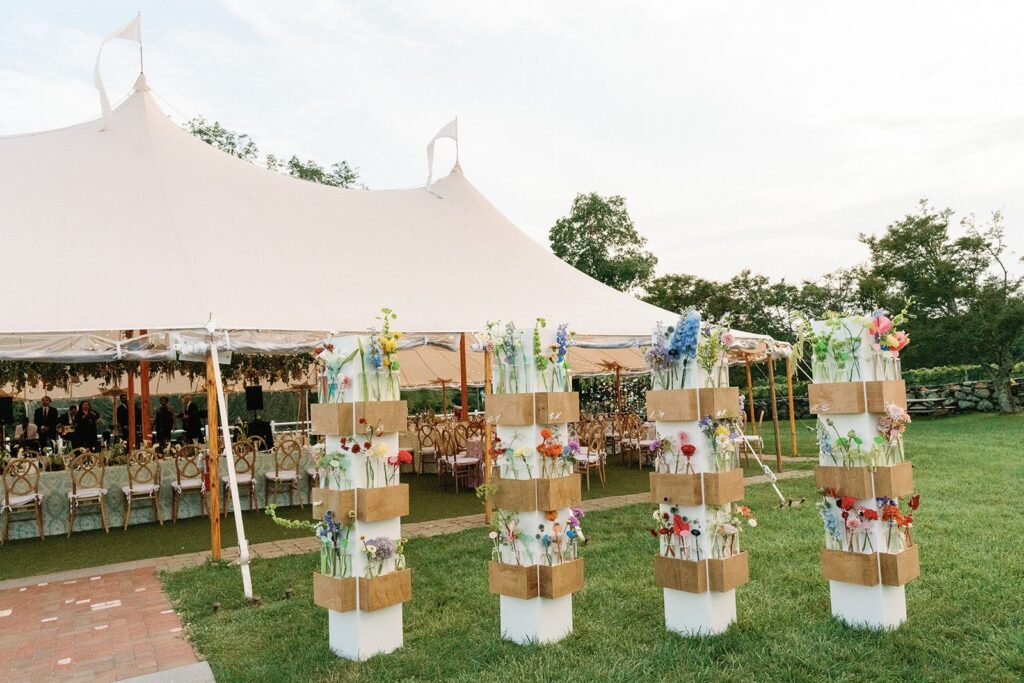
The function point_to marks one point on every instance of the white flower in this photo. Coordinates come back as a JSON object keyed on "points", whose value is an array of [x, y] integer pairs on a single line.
{"points": [[380, 450], [493, 535], [371, 550], [336, 464], [752, 522], [656, 515]]}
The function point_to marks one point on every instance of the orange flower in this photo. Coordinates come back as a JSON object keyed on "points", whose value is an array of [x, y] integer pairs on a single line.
{"points": [[552, 515], [554, 450], [545, 433]]}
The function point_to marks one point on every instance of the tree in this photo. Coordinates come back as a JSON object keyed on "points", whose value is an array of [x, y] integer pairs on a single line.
{"points": [[240, 145], [598, 238]]}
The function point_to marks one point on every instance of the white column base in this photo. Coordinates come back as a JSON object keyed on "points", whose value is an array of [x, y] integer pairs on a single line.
{"points": [[875, 607], [699, 614], [537, 620], [359, 635]]}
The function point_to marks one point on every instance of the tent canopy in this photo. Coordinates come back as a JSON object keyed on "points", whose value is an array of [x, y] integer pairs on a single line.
{"points": [[227, 244]]}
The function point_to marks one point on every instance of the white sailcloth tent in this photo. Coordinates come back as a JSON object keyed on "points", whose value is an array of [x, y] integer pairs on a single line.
{"points": [[144, 226]]}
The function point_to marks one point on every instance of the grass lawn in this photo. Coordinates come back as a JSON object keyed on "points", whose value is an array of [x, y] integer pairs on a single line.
{"points": [[142, 541], [965, 610]]}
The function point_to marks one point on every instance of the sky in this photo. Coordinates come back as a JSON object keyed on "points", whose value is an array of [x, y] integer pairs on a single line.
{"points": [[761, 135]]}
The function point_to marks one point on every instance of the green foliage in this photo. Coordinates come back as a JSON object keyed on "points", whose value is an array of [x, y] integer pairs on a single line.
{"points": [[598, 238], [240, 145], [597, 394]]}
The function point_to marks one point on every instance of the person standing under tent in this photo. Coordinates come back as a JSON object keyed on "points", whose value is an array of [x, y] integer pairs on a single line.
{"points": [[47, 420], [85, 427], [191, 421], [164, 422], [67, 425], [26, 436], [122, 419]]}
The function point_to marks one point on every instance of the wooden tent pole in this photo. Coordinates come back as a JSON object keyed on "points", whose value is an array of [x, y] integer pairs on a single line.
{"points": [[775, 415], [750, 398], [147, 424], [131, 411], [464, 382], [618, 389], [488, 508], [792, 410], [213, 460]]}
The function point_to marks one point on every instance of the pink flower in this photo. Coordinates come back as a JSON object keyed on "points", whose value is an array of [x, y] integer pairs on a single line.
{"points": [[852, 523], [727, 339], [880, 324]]}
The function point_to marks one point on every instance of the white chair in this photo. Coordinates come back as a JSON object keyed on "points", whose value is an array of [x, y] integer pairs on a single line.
{"points": [[143, 483], [21, 493], [245, 474], [287, 456]]}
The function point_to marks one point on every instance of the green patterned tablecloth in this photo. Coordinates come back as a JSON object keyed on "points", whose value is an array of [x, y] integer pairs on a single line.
{"points": [[54, 487]]}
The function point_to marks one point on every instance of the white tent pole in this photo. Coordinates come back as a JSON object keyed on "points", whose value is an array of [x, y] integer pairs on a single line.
{"points": [[243, 544]]}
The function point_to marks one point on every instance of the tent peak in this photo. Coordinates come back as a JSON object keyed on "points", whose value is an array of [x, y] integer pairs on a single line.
{"points": [[457, 169], [140, 83]]}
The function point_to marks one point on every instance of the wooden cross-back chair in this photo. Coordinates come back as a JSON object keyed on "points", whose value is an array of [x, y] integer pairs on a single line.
{"points": [[287, 458], [462, 467], [245, 473], [592, 452], [21, 493], [190, 477], [427, 436], [88, 472], [143, 468]]}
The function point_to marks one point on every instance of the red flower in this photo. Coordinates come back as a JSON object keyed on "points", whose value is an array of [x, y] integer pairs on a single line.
{"points": [[356, 448], [868, 513], [318, 350], [846, 502], [915, 501], [330, 347], [689, 449], [679, 527], [362, 420], [404, 457]]}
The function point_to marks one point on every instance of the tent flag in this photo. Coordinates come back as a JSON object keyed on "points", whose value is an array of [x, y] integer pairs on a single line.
{"points": [[130, 31], [450, 131]]}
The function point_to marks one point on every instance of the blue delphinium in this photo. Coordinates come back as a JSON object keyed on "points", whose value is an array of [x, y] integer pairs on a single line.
{"points": [[689, 335]]}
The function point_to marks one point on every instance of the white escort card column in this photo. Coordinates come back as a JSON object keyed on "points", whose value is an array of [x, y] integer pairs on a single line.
{"points": [[696, 481], [535, 567], [862, 475], [360, 486]]}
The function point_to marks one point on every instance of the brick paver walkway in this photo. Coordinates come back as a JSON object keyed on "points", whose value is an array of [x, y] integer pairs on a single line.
{"points": [[101, 627]]}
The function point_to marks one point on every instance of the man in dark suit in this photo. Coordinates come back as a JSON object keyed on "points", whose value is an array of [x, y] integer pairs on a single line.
{"points": [[47, 420], [122, 419], [164, 422], [191, 422]]}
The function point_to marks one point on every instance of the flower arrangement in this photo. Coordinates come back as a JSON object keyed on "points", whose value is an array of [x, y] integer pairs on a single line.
{"points": [[720, 435], [333, 535], [899, 522], [378, 551], [888, 342], [332, 385], [512, 456], [713, 353], [892, 425], [724, 528], [553, 368], [507, 540], [671, 351], [374, 453], [560, 543], [678, 535], [381, 382], [394, 466], [680, 450], [508, 351], [849, 446], [557, 459], [333, 468], [835, 350]]}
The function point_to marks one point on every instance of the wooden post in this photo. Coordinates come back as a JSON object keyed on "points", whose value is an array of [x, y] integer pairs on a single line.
{"points": [[147, 423], [213, 460], [464, 383], [750, 399], [488, 509], [775, 415], [618, 389], [131, 411], [792, 411]]}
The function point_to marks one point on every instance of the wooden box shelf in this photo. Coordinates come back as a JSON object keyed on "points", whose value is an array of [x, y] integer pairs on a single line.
{"points": [[513, 580], [900, 568], [334, 594], [519, 495], [560, 579], [385, 502], [514, 410], [385, 590], [893, 481], [673, 405], [343, 419], [723, 487], [882, 393], [557, 493], [340, 503], [676, 489], [719, 402], [849, 567], [682, 575], [556, 407], [838, 398], [728, 573]]}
